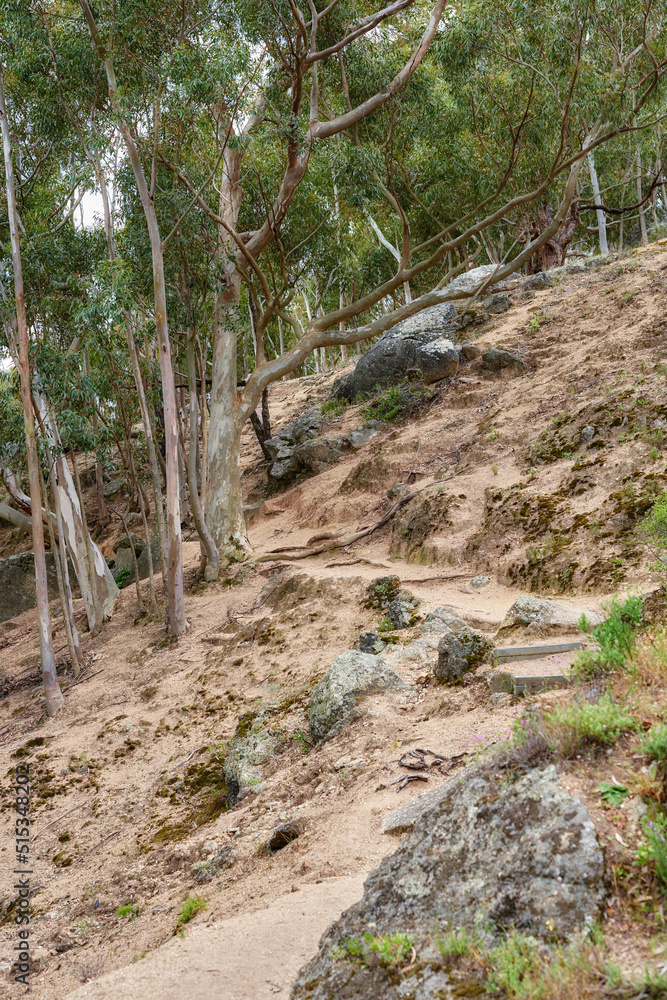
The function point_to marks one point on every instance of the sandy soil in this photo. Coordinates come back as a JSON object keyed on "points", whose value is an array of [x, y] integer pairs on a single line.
{"points": [[124, 779]]}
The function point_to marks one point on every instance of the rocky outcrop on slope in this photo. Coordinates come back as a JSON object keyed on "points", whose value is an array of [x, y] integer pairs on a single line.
{"points": [[352, 676], [488, 856]]}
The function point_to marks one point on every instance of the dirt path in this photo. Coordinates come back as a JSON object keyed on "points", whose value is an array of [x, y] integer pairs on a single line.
{"points": [[249, 957]]}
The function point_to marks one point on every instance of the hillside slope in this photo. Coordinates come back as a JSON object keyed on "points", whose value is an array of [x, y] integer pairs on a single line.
{"points": [[128, 780]]}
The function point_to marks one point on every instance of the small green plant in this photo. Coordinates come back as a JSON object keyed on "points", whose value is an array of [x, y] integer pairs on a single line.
{"points": [[385, 626], [654, 851], [389, 951], [494, 470], [302, 740], [582, 725], [398, 402], [653, 455], [123, 575], [190, 908], [534, 323], [654, 743], [612, 795], [334, 407], [653, 532], [457, 943], [130, 910], [615, 638]]}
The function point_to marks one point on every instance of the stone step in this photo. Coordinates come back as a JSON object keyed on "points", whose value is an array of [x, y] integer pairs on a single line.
{"points": [[511, 654], [531, 685]]}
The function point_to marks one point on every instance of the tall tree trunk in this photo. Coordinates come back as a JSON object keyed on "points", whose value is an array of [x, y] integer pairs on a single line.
{"points": [[209, 548], [54, 698], [174, 580], [597, 200], [642, 220]]}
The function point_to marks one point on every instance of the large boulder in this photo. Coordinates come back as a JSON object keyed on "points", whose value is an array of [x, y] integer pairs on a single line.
{"points": [[352, 676], [459, 650], [17, 583], [533, 615], [489, 855], [316, 455], [395, 355]]}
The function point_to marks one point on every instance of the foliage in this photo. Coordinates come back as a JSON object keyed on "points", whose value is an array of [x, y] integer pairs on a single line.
{"points": [[654, 743], [653, 531], [190, 908], [333, 407], [582, 725], [613, 795], [398, 402], [130, 910], [654, 851], [615, 638], [388, 951]]}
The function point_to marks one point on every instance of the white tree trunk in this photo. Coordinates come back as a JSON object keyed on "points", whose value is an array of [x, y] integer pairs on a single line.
{"points": [[602, 222]]}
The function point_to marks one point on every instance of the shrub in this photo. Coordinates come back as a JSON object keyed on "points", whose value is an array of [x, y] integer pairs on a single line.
{"points": [[398, 402], [191, 906], [130, 910], [333, 407], [654, 743], [615, 638], [571, 728]]}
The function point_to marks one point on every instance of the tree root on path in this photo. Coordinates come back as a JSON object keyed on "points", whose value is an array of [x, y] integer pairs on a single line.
{"points": [[303, 551]]}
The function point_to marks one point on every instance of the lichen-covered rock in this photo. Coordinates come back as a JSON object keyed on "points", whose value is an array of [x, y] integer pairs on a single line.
{"points": [[245, 756], [389, 361], [401, 613], [441, 619], [370, 642], [353, 675], [438, 359], [499, 682], [316, 455], [495, 360], [533, 615], [490, 855], [382, 591], [460, 651]]}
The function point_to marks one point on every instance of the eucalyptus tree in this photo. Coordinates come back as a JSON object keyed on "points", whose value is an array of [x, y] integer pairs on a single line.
{"points": [[54, 698]]}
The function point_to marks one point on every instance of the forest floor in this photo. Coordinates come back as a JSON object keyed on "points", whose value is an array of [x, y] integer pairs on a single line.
{"points": [[124, 779]]}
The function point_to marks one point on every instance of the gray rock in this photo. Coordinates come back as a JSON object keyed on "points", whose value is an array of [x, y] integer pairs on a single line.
{"points": [[438, 359], [470, 351], [283, 447], [401, 613], [245, 756], [205, 871], [364, 434], [495, 360], [478, 582], [442, 619], [123, 543], [499, 682], [403, 819], [370, 642], [17, 583], [460, 651], [587, 433], [498, 303], [421, 652], [382, 591], [317, 455], [115, 486], [535, 282], [285, 834], [124, 561], [394, 356], [499, 699], [488, 855], [481, 317], [535, 615], [352, 676]]}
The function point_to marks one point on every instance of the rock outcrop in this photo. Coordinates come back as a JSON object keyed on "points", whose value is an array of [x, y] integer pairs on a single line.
{"points": [[245, 756], [533, 615], [490, 855], [17, 583], [459, 650], [353, 675]]}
